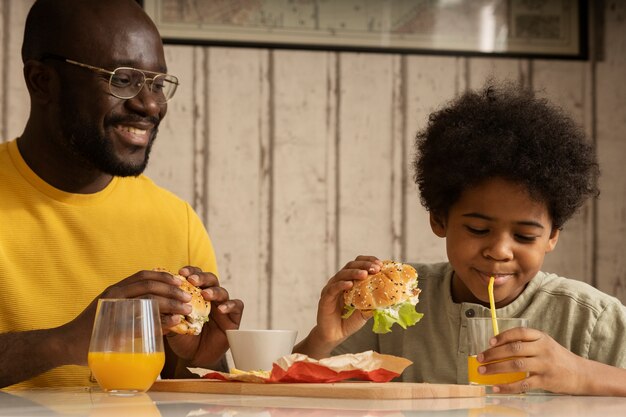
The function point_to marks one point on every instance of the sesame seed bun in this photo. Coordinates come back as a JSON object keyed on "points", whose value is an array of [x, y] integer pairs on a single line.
{"points": [[200, 308], [394, 284]]}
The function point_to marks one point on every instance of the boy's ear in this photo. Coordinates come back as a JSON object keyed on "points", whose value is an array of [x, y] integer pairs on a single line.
{"points": [[437, 224], [554, 238]]}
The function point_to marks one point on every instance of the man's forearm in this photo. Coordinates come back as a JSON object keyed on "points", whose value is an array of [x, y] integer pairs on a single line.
{"points": [[24, 355]]}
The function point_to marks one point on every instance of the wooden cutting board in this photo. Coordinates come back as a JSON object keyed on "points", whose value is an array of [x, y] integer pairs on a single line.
{"points": [[361, 390]]}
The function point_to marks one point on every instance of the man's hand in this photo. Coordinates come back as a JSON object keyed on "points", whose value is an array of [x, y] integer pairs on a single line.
{"points": [[160, 286], [206, 348], [173, 302]]}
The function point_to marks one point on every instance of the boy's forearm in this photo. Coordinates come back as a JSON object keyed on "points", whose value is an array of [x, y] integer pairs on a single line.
{"points": [[24, 355], [313, 347], [603, 380]]}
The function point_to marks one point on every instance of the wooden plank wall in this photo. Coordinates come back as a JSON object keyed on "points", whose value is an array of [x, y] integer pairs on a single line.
{"points": [[298, 161]]}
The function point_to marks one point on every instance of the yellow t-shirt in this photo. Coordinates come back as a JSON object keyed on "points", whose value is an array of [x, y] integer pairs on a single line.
{"points": [[58, 250]]}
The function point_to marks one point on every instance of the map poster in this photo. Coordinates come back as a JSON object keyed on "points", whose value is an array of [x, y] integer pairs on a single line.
{"points": [[505, 27]]}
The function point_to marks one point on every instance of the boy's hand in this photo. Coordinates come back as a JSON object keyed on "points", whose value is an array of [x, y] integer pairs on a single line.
{"points": [[331, 328], [550, 366]]}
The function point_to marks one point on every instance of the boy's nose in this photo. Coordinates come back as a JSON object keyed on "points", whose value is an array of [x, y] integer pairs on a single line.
{"points": [[499, 249]]}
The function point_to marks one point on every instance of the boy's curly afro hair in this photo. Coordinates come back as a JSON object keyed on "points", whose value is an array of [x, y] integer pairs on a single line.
{"points": [[505, 131]]}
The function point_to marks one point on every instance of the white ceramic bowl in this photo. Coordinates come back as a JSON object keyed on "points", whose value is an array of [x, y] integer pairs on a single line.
{"points": [[256, 350]]}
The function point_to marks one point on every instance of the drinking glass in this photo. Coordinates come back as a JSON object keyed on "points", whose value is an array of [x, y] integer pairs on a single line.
{"points": [[479, 331], [126, 349]]}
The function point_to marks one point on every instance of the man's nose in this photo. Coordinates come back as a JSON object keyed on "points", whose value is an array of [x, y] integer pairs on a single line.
{"points": [[146, 101]]}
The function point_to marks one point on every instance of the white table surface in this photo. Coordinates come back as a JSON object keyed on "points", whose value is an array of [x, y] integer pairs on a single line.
{"points": [[94, 403]]}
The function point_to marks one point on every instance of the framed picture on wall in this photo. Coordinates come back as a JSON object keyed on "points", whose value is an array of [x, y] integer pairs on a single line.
{"points": [[521, 28]]}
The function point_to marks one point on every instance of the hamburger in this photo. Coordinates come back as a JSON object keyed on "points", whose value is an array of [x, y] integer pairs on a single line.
{"points": [[389, 296], [200, 308]]}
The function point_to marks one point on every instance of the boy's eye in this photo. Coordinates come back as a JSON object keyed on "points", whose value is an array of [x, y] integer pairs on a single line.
{"points": [[525, 238], [477, 231]]}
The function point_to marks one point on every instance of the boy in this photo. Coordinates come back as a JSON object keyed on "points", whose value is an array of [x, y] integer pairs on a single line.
{"points": [[500, 172]]}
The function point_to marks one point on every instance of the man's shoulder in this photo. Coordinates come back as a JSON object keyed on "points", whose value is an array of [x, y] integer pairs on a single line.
{"points": [[4, 153], [8, 169], [147, 188]]}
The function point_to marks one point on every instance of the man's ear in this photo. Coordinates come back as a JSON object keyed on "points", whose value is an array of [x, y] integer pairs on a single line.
{"points": [[553, 240], [437, 224], [41, 81]]}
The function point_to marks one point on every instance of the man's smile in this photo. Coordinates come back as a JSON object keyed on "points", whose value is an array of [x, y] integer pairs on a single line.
{"points": [[133, 135]]}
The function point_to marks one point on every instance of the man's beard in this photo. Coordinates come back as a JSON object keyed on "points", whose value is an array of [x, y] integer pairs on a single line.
{"points": [[86, 142]]}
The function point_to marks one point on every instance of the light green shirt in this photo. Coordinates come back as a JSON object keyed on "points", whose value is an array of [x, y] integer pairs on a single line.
{"points": [[581, 318]]}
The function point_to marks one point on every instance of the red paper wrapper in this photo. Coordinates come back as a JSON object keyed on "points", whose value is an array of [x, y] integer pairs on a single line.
{"points": [[311, 372], [366, 366]]}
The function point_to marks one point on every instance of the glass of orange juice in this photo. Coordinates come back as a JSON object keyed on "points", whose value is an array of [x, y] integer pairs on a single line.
{"points": [[126, 349], [479, 331]]}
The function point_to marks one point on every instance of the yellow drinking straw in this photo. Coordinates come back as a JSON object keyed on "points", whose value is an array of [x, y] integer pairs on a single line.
{"points": [[492, 304]]}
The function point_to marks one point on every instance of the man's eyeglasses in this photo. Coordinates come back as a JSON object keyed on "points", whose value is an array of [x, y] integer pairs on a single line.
{"points": [[127, 82]]}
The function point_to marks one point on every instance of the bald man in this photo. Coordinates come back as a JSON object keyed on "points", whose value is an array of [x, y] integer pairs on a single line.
{"points": [[79, 220]]}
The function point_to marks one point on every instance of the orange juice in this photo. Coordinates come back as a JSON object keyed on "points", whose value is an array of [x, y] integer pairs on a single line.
{"points": [[125, 371], [496, 379]]}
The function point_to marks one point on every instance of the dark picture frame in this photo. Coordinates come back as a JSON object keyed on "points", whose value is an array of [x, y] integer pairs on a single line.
{"points": [[497, 28]]}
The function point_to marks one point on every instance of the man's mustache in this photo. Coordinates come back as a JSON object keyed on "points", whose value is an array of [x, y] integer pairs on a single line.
{"points": [[120, 120]]}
